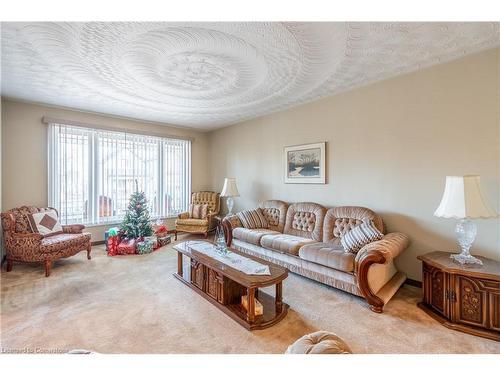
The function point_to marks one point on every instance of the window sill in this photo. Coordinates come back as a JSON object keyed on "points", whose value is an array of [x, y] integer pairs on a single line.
{"points": [[115, 223]]}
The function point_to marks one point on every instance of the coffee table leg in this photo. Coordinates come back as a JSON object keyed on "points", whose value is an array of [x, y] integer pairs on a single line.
{"points": [[179, 263], [279, 296], [251, 304]]}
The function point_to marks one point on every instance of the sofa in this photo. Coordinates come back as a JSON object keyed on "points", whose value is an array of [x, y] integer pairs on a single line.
{"points": [[22, 245], [185, 223], [305, 238]]}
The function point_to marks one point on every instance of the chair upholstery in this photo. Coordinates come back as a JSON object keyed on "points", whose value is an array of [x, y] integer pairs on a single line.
{"points": [[284, 243], [252, 235], [275, 213], [328, 254], [305, 219], [339, 220], [202, 226], [22, 245]]}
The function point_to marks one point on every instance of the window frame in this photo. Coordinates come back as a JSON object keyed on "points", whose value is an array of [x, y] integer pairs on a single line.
{"points": [[94, 171]]}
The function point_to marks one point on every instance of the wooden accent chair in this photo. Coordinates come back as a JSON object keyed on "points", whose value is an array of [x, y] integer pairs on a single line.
{"points": [[22, 245], [185, 223]]}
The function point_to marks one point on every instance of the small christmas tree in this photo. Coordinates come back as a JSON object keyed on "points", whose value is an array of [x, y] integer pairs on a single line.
{"points": [[137, 222]]}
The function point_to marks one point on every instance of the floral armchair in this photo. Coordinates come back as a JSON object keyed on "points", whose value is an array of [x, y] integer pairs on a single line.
{"points": [[22, 245], [202, 226]]}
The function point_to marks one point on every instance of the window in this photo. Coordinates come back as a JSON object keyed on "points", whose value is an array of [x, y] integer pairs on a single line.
{"points": [[92, 173]]}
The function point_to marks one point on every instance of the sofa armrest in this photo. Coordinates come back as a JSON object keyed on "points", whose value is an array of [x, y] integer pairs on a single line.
{"points": [[74, 228], [378, 252], [390, 247], [228, 224], [183, 215]]}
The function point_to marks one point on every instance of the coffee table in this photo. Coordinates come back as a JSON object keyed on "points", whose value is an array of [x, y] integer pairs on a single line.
{"points": [[223, 286]]}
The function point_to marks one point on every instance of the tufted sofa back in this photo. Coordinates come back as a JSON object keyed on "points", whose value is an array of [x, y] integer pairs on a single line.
{"points": [[305, 219], [339, 220], [16, 220], [275, 213], [207, 197]]}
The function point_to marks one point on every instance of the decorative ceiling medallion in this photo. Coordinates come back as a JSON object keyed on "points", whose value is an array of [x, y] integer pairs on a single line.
{"points": [[209, 75]]}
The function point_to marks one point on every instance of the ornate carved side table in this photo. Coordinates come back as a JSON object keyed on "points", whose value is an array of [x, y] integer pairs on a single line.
{"points": [[462, 298]]}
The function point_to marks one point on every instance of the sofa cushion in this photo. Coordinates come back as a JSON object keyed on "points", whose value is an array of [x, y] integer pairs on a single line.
{"points": [[329, 255], [305, 219], [360, 236], [340, 220], [253, 219], [200, 222], [252, 236], [275, 213], [284, 243]]}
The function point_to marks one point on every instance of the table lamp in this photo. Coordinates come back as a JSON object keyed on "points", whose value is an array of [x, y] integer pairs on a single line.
{"points": [[464, 200], [230, 190]]}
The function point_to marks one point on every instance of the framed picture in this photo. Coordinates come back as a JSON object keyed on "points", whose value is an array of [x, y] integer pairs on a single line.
{"points": [[305, 164]]}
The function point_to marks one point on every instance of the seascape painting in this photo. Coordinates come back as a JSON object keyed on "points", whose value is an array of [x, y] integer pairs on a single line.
{"points": [[305, 163]]}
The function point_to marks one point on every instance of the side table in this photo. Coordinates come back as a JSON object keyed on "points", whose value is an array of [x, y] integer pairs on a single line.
{"points": [[462, 298]]}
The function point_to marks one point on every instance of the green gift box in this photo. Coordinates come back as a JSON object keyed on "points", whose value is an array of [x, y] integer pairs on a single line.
{"points": [[145, 247]]}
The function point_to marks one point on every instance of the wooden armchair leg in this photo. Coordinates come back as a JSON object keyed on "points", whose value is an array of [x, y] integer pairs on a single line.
{"points": [[206, 234], [89, 249], [9, 265], [48, 265]]}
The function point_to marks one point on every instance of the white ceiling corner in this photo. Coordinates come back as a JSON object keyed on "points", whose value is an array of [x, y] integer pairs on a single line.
{"points": [[209, 75]]}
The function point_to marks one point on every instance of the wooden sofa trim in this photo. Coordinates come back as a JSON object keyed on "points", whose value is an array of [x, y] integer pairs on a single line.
{"points": [[362, 266]]}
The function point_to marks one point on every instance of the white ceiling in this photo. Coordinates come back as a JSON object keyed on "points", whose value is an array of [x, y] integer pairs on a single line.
{"points": [[209, 75]]}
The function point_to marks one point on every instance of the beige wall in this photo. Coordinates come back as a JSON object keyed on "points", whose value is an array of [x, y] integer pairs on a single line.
{"points": [[24, 151], [390, 146]]}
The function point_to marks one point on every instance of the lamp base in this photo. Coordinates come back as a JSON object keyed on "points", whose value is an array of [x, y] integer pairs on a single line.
{"points": [[466, 259], [466, 233]]}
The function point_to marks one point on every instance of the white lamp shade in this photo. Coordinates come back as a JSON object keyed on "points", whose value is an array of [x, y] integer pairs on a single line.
{"points": [[463, 199], [230, 189]]}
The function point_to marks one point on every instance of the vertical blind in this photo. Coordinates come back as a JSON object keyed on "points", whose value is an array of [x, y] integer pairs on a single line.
{"points": [[92, 173]]}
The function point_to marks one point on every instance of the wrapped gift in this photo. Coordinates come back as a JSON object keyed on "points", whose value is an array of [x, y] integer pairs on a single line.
{"points": [[160, 229], [164, 240], [112, 245], [154, 240], [144, 247], [111, 232], [127, 247]]}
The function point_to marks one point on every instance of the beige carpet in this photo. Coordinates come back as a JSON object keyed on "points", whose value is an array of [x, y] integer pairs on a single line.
{"points": [[132, 304]]}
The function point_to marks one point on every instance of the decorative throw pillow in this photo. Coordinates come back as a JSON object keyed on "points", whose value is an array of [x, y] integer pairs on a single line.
{"points": [[198, 211], [253, 219], [353, 240], [46, 223]]}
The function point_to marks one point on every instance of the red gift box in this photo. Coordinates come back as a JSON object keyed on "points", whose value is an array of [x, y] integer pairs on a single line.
{"points": [[127, 247], [113, 243]]}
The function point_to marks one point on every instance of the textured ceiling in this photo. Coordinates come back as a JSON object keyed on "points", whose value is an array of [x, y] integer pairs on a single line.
{"points": [[208, 75]]}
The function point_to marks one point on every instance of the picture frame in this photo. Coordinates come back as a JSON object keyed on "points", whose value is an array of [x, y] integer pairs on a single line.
{"points": [[305, 164]]}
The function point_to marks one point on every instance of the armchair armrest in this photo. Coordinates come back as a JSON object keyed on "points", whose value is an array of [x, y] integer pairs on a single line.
{"points": [[74, 228], [377, 252], [17, 244], [183, 215], [229, 223]]}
